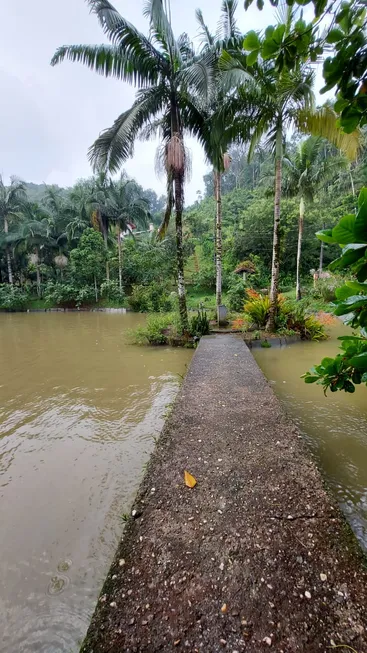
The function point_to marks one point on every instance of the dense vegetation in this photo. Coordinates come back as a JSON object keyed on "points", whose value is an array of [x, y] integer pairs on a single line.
{"points": [[282, 168]]}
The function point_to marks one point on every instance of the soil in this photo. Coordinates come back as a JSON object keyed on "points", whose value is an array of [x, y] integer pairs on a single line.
{"points": [[256, 556]]}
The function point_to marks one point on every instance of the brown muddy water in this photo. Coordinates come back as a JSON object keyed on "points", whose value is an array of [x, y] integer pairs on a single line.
{"points": [[79, 411], [335, 427]]}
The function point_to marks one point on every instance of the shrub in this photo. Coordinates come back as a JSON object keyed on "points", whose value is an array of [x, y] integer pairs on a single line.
{"points": [[325, 288], [200, 324], [67, 294], [257, 309], [236, 293], [155, 298], [293, 316], [205, 278], [12, 298], [111, 290], [156, 331]]}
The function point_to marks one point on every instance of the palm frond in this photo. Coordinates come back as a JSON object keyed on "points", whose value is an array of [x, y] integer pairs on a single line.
{"points": [[233, 71], [115, 144], [109, 61], [199, 76], [207, 39], [124, 35], [161, 28], [324, 122], [227, 28]]}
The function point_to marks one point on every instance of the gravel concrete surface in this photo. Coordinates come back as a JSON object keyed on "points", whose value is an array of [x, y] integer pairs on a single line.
{"points": [[256, 556]]}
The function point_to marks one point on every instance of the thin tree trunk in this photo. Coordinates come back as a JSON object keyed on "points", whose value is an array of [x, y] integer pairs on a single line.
{"points": [[299, 246], [276, 234], [95, 288], [179, 249], [38, 276], [107, 261], [8, 255], [218, 236], [321, 253], [104, 229], [120, 254], [352, 182]]}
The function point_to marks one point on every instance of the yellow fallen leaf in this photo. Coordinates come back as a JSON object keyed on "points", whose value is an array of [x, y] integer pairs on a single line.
{"points": [[190, 481]]}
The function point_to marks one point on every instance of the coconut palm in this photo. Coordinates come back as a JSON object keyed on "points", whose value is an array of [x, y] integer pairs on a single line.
{"points": [[311, 166], [125, 208], [223, 123], [284, 101], [34, 233], [164, 68], [12, 200]]}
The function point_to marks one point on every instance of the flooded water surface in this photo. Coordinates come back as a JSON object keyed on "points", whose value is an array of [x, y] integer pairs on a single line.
{"points": [[79, 411], [335, 426]]}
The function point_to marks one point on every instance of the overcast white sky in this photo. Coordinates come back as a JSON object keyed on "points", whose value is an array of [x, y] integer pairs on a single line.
{"points": [[50, 116]]}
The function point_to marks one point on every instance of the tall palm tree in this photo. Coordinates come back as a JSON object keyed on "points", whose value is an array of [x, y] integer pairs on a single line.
{"points": [[125, 207], [284, 101], [307, 171], [12, 200], [221, 126], [34, 232], [164, 68]]}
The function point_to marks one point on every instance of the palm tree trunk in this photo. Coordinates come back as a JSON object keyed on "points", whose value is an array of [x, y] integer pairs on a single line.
{"points": [[95, 288], [352, 182], [179, 250], [321, 253], [8, 255], [38, 276], [120, 254], [276, 234], [105, 237], [218, 235], [104, 229], [299, 246]]}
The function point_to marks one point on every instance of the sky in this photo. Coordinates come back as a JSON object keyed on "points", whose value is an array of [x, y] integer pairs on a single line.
{"points": [[50, 116]]}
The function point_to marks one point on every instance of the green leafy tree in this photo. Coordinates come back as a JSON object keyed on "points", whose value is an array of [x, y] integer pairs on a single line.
{"points": [[165, 68], [349, 368], [224, 120], [284, 99], [33, 233], [12, 199], [124, 207], [88, 260]]}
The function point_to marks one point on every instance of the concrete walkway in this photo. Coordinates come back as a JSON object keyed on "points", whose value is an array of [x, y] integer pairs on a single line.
{"points": [[257, 556]]}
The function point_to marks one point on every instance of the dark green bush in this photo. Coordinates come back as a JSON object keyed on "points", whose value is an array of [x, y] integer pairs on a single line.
{"points": [[12, 298], [154, 298], [111, 290], [236, 293], [68, 295], [157, 330]]}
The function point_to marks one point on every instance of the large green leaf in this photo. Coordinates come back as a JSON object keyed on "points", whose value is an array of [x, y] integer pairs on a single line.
{"points": [[326, 235], [350, 304], [350, 118], [251, 41], [360, 228], [344, 292], [343, 233], [334, 35], [359, 361], [356, 286], [252, 57], [351, 256]]}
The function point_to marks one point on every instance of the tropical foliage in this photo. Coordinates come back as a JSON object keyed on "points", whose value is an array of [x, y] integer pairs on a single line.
{"points": [[350, 367]]}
